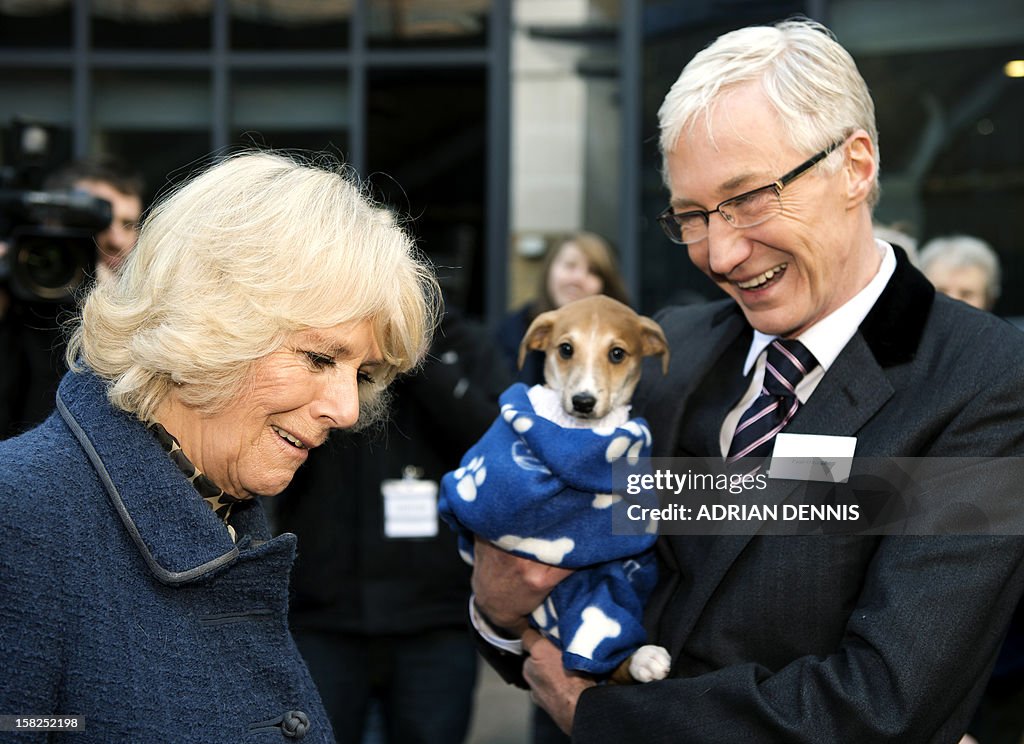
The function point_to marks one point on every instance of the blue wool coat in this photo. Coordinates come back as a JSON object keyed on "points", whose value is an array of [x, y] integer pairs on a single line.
{"points": [[123, 599]]}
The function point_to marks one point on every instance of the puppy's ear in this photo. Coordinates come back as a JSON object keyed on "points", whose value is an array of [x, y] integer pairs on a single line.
{"points": [[655, 343], [536, 335]]}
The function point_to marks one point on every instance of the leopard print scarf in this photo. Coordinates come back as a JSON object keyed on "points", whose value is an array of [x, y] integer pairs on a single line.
{"points": [[220, 501]]}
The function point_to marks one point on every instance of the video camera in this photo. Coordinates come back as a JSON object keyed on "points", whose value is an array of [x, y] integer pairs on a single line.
{"points": [[51, 250]]}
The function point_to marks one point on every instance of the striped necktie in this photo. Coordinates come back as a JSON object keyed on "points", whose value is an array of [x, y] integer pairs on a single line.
{"points": [[787, 363]]}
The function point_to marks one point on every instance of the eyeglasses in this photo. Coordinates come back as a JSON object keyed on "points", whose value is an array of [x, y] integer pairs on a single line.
{"points": [[746, 210]]}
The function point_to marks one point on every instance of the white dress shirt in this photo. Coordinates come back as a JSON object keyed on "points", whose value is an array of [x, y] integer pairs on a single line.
{"points": [[825, 339]]}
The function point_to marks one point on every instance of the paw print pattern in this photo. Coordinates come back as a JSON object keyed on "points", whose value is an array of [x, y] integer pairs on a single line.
{"points": [[520, 425], [629, 446], [470, 478], [525, 459], [630, 567]]}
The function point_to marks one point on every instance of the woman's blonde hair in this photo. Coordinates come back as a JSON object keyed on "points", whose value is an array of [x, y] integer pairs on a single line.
{"points": [[229, 264]]}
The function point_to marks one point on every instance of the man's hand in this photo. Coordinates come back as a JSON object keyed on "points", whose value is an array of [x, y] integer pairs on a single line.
{"points": [[508, 588], [552, 686]]}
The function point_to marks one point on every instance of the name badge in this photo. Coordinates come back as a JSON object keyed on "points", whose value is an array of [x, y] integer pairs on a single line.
{"points": [[410, 507], [812, 457]]}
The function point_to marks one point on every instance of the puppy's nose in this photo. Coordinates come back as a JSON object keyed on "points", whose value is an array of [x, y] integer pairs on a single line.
{"points": [[583, 402]]}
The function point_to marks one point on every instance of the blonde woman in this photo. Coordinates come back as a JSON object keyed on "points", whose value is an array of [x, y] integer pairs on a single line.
{"points": [[266, 303]]}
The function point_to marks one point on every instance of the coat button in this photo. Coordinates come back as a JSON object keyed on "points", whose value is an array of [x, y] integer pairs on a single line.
{"points": [[294, 724]]}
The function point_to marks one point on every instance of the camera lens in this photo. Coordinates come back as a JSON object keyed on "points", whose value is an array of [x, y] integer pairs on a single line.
{"points": [[51, 266], [46, 265]]}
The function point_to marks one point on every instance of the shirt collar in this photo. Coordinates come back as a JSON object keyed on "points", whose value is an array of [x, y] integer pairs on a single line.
{"points": [[829, 336]]}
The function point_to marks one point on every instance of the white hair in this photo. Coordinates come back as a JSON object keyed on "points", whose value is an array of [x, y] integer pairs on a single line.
{"points": [[228, 265], [958, 251], [810, 80]]}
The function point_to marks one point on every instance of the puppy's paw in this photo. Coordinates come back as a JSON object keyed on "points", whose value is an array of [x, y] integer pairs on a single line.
{"points": [[649, 664]]}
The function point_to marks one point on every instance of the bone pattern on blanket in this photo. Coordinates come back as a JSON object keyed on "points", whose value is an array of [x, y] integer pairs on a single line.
{"points": [[552, 552], [596, 627]]}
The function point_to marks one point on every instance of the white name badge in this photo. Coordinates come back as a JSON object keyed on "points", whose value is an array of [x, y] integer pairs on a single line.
{"points": [[410, 507], [812, 457]]}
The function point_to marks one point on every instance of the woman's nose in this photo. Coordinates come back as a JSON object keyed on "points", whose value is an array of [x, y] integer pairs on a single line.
{"points": [[337, 400]]}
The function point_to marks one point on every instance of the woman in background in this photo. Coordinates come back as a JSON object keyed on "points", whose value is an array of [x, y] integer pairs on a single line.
{"points": [[579, 266]]}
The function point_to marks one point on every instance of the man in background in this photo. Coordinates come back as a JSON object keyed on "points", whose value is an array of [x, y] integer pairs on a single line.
{"points": [[108, 179], [31, 341]]}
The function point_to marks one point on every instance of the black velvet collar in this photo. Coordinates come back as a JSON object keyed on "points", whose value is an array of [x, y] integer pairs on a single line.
{"points": [[893, 327]]}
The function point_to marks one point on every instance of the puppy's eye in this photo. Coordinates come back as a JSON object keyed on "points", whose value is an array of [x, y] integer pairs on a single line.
{"points": [[565, 351], [617, 355]]}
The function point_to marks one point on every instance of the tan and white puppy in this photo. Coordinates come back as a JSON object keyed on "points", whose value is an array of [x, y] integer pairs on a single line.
{"points": [[593, 350]]}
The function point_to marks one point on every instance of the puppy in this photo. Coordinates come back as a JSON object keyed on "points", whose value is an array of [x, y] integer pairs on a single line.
{"points": [[594, 349]]}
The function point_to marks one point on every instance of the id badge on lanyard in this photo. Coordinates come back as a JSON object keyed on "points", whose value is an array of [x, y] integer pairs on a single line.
{"points": [[410, 505]]}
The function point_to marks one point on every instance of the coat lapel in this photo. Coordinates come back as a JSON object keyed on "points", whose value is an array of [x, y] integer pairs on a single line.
{"points": [[725, 329], [175, 531], [690, 368]]}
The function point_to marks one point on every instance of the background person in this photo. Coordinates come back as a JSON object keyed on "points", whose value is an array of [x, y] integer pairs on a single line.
{"points": [[898, 234], [964, 268], [251, 321], [771, 161], [106, 177], [31, 340], [579, 266]]}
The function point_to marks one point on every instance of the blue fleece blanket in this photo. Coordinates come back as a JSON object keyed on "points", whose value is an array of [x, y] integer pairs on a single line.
{"points": [[545, 492]]}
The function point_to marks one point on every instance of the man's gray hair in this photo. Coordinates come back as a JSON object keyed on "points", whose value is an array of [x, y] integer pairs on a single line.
{"points": [[810, 79]]}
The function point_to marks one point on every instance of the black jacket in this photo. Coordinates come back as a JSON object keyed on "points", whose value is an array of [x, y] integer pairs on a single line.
{"points": [[31, 364]]}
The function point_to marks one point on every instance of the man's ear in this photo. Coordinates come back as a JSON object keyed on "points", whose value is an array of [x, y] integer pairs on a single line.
{"points": [[537, 335], [860, 167], [655, 343]]}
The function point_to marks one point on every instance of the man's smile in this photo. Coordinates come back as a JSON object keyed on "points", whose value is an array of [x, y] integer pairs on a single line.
{"points": [[771, 276]]}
